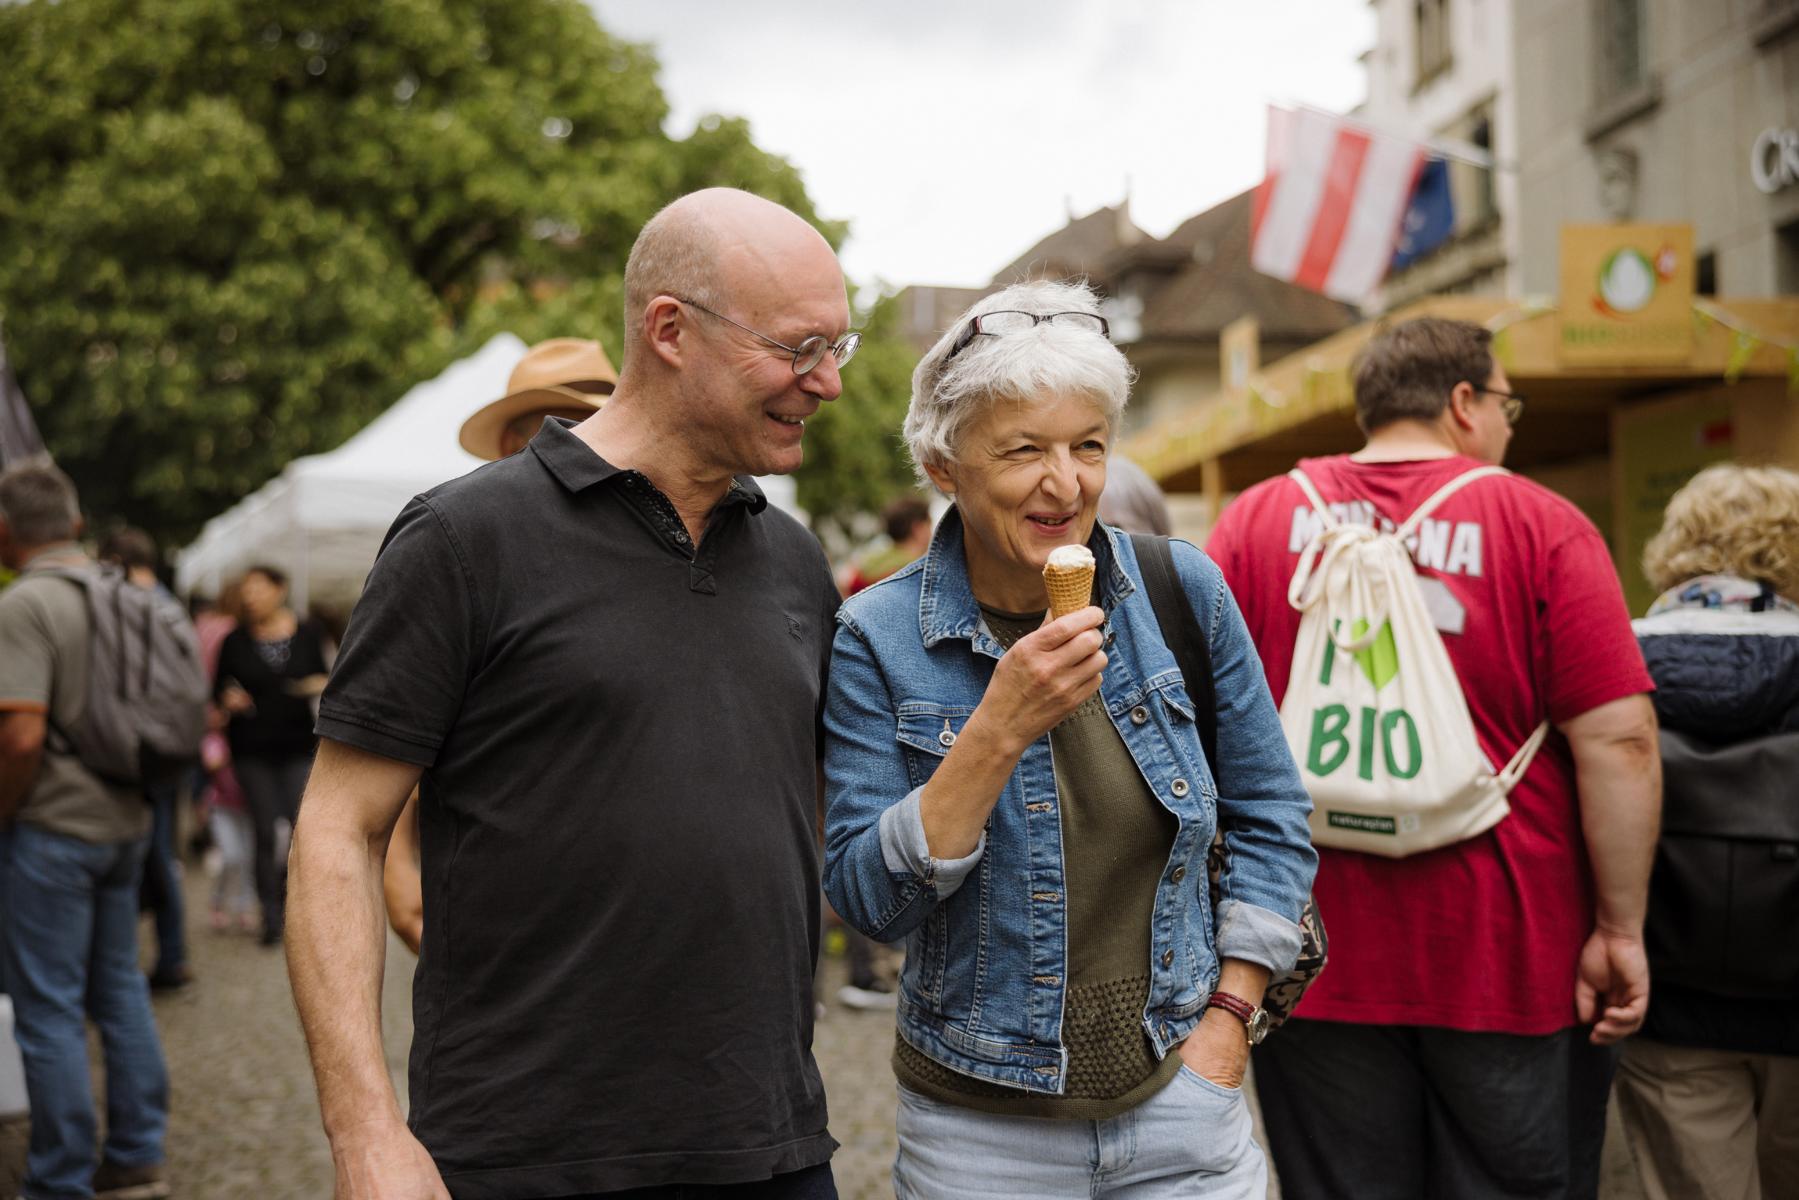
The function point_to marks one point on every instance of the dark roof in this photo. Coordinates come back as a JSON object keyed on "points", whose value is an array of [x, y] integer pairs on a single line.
{"points": [[1216, 285], [1192, 283], [1080, 247]]}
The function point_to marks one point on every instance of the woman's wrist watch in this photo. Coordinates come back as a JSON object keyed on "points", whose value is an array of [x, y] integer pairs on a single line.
{"points": [[1253, 1016]]}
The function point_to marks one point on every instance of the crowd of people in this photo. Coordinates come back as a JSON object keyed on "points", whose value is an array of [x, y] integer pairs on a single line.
{"points": [[604, 725]]}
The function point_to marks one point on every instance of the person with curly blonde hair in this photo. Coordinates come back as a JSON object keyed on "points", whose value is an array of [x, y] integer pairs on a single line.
{"points": [[1709, 1092], [1730, 520]]}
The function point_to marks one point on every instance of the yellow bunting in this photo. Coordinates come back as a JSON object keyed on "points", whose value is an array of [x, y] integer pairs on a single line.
{"points": [[1745, 341], [1742, 349]]}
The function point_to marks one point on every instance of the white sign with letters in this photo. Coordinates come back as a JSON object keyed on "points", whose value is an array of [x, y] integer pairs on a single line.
{"points": [[1774, 160]]}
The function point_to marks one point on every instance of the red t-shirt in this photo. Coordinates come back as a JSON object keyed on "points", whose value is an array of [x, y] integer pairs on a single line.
{"points": [[1486, 934]]}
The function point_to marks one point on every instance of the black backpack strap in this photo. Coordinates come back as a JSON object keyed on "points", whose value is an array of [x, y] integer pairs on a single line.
{"points": [[1182, 634]]}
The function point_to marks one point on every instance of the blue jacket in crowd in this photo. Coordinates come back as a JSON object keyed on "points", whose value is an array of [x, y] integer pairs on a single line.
{"points": [[1725, 898]]}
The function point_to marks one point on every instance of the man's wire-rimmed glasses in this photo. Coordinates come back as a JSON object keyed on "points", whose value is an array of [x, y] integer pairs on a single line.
{"points": [[1510, 403], [807, 354], [1011, 320]]}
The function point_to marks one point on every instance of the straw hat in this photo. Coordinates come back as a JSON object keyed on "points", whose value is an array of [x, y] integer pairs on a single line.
{"points": [[562, 376]]}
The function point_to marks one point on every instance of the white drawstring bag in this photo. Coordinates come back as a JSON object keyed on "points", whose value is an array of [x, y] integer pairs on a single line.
{"points": [[1374, 712]]}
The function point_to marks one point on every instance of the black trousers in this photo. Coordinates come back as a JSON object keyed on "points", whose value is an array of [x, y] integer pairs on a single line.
{"points": [[1402, 1112], [809, 1183], [272, 788]]}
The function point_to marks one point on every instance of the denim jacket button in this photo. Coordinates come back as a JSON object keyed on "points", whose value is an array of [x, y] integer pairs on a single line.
{"points": [[1180, 873], [946, 739], [1168, 958], [1178, 787], [1139, 715]]}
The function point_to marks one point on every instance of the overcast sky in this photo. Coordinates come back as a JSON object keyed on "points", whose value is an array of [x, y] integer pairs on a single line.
{"points": [[952, 134]]}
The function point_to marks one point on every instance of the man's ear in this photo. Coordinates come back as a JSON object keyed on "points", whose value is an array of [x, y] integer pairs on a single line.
{"points": [[1462, 398], [946, 483], [664, 329]]}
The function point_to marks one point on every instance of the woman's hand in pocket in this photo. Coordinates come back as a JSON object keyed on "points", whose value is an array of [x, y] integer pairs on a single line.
{"points": [[1217, 1049]]}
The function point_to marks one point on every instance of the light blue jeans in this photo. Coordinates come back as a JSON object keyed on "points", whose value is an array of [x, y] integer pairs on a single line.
{"points": [[1190, 1139], [70, 921]]}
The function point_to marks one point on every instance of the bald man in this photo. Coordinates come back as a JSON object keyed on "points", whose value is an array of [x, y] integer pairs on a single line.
{"points": [[602, 660]]}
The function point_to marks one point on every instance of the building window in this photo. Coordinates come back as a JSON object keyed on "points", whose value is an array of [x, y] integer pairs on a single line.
{"points": [[1773, 20], [1622, 65], [1476, 203], [1705, 275], [1124, 314], [1432, 38], [1786, 265], [1481, 195]]}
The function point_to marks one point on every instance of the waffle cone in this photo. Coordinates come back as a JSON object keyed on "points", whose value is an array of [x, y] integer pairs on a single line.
{"points": [[1070, 590]]}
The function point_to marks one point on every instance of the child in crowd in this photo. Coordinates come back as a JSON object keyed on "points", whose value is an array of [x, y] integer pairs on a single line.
{"points": [[233, 894]]}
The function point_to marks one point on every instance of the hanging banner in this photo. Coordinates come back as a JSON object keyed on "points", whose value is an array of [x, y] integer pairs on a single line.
{"points": [[1627, 295], [19, 438]]}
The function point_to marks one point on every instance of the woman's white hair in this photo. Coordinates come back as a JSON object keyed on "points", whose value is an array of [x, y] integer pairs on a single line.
{"points": [[1049, 359]]}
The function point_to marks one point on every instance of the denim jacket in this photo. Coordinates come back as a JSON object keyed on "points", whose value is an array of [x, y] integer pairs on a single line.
{"points": [[986, 936]]}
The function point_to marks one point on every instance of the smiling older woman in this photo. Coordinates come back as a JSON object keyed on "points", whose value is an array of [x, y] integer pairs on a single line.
{"points": [[1027, 803]]}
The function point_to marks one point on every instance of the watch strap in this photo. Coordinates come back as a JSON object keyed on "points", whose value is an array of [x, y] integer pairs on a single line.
{"points": [[1237, 1006]]}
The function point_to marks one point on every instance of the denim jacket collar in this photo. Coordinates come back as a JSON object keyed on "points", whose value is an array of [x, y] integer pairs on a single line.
{"points": [[946, 604]]}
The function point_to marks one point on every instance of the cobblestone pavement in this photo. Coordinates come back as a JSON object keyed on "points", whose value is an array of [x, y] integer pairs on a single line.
{"points": [[244, 1119], [245, 1123]]}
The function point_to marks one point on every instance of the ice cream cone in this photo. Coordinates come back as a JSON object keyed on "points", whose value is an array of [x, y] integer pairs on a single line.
{"points": [[1070, 585]]}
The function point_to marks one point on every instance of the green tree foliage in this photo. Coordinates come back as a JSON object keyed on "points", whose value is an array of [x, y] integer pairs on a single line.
{"points": [[231, 231], [855, 459]]}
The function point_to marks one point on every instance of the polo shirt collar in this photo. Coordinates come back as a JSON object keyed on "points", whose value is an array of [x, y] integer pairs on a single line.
{"points": [[575, 465]]}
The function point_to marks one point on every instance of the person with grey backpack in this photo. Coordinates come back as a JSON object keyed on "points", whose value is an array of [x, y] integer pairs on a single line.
{"points": [[133, 553], [92, 691]]}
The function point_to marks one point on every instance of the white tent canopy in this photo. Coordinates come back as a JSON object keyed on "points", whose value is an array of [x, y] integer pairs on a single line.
{"points": [[322, 519]]}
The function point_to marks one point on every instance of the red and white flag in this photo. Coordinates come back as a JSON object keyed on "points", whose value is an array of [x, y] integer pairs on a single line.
{"points": [[1328, 211]]}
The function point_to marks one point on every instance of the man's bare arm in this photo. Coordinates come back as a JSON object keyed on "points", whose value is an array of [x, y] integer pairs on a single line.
{"points": [[336, 944], [1618, 769], [21, 749]]}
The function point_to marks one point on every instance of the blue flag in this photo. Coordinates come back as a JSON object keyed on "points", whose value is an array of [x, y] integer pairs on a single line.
{"points": [[1429, 218]]}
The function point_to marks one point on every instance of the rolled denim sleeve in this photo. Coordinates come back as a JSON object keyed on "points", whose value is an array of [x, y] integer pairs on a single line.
{"points": [[905, 850], [878, 874], [1262, 806]]}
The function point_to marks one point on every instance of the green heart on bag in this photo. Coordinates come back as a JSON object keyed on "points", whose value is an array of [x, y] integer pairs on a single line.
{"points": [[1379, 659]]}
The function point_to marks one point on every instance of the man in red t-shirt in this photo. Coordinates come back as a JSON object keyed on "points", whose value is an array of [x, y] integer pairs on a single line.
{"points": [[1458, 1043]]}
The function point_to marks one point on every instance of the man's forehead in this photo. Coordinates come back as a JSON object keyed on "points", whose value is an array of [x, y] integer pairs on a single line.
{"points": [[795, 313], [794, 279]]}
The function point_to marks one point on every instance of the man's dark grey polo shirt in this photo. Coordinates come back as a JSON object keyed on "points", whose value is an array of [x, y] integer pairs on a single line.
{"points": [[620, 880]]}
